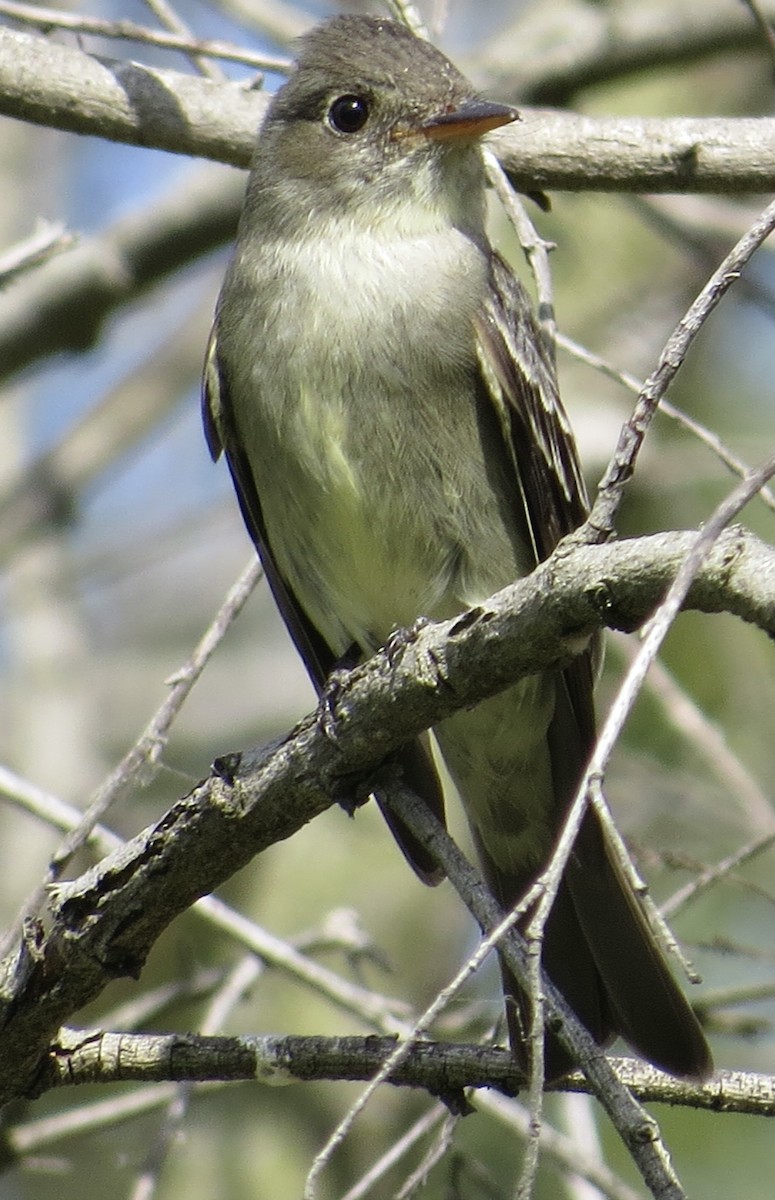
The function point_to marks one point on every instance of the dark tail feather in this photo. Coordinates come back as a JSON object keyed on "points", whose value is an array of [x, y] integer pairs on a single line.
{"points": [[416, 762], [648, 1008], [601, 954], [569, 964]]}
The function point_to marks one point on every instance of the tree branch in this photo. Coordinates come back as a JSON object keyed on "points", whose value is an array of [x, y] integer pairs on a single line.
{"points": [[47, 19], [64, 305], [444, 1069], [104, 924], [62, 87], [607, 46]]}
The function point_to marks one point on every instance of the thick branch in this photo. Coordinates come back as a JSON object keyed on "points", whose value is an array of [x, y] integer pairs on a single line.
{"points": [[442, 1068], [607, 46], [65, 304], [104, 924], [557, 151], [62, 87], [65, 88]]}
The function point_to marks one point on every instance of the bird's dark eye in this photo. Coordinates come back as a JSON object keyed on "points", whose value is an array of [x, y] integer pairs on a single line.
{"points": [[348, 114]]}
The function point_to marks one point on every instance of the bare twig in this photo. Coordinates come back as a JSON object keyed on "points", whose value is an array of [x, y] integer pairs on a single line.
{"points": [[140, 759], [381, 1012], [34, 1135], [535, 248], [407, 13], [708, 437], [434, 1154], [705, 235], [656, 629], [402, 1145], [63, 88], [711, 875], [765, 28], [278, 20], [45, 243], [695, 725], [578, 1117], [419, 1028], [600, 524], [172, 39], [576, 1160], [171, 19]]}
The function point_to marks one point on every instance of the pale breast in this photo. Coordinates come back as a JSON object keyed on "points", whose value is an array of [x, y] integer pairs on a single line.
{"points": [[363, 430]]}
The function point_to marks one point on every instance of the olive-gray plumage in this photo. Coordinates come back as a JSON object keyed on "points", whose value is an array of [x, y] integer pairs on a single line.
{"points": [[392, 424]]}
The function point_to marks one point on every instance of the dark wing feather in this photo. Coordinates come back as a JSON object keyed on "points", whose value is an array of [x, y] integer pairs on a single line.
{"points": [[320, 660], [519, 375], [220, 433], [598, 947]]}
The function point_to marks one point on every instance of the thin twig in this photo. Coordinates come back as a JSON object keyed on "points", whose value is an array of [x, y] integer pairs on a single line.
{"points": [[536, 1075], [578, 1114], [434, 1154], [657, 628], [535, 248], [762, 21], [380, 1011], [48, 240], [33, 1135], [600, 524], [405, 11], [421, 1127], [419, 1028], [692, 723], [278, 21], [574, 1160], [711, 875], [172, 21], [708, 437], [702, 244], [139, 761], [55, 18]]}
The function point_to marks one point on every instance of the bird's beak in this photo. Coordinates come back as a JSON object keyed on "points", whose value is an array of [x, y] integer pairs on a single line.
{"points": [[467, 121]]}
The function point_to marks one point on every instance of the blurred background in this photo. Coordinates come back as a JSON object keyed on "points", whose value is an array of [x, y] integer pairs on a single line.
{"points": [[119, 539]]}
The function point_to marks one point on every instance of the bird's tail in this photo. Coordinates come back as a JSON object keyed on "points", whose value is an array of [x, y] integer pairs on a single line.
{"points": [[600, 952]]}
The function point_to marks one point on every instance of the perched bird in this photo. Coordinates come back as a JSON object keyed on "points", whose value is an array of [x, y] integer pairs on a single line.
{"points": [[390, 416]]}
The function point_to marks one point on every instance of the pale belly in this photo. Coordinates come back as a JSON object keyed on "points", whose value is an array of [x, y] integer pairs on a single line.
{"points": [[378, 522], [384, 481], [369, 545]]}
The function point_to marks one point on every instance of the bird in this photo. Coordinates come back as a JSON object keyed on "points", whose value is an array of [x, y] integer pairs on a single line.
{"points": [[388, 407]]}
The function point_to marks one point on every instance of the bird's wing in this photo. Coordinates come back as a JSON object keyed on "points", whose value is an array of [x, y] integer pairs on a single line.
{"points": [[518, 374], [415, 759], [596, 905], [220, 434]]}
